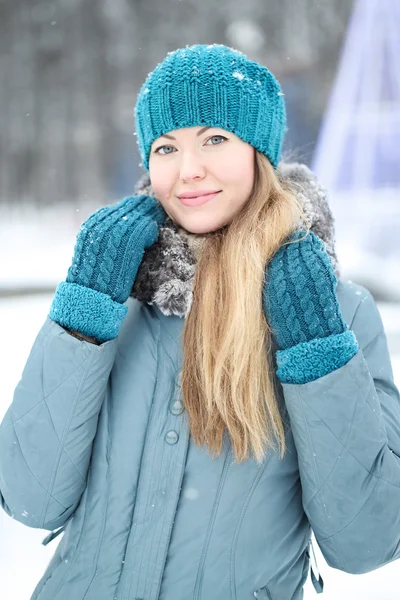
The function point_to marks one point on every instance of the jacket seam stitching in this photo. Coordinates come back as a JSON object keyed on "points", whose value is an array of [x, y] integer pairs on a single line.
{"points": [[355, 516], [246, 504], [323, 482], [151, 470], [100, 542], [77, 547], [179, 468], [40, 401], [124, 577], [169, 469], [65, 432], [200, 569], [149, 490], [45, 336], [314, 463], [344, 446], [338, 549], [362, 361], [34, 476], [372, 340], [45, 396], [356, 312], [170, 525], [168, 333], [62, 444], [379, 332]]}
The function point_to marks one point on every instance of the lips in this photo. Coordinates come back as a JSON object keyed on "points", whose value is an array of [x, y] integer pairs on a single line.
{"points": [[197, 200], [197, 193]]}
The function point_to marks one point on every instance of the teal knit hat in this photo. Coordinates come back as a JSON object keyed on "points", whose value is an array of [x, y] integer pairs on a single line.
{"points": [[216, 86]]}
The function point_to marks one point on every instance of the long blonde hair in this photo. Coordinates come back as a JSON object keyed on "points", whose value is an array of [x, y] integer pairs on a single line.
{"points": [[228, 381]]}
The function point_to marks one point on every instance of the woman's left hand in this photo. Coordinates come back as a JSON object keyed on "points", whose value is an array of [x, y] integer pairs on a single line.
{"points": [[299, 298]]}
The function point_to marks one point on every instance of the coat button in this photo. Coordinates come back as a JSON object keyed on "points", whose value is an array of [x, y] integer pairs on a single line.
{"points": [[176, 407], [171, 437]]}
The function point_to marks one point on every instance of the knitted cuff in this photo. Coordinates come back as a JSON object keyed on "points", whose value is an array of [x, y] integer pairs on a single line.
{"points": [[85, 310], [309, 361]]}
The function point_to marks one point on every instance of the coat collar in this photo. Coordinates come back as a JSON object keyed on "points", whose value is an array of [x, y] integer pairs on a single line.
{"points": [[165, 276]]}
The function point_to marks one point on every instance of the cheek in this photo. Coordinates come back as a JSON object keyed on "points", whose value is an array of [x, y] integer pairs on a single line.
{"points": [[161, 183], [161, 191], [241, 171]]}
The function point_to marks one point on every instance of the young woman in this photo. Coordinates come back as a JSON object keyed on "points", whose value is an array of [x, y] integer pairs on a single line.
{"points": [[206, 389]]}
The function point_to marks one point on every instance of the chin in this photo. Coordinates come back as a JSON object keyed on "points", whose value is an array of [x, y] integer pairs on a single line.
{"points": [[200, 228]]}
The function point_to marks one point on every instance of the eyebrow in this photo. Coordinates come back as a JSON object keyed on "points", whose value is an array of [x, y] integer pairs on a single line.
{"points": [[197, 134]]}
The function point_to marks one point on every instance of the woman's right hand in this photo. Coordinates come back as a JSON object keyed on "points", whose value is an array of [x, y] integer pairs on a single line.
{"points": [[110, 245], [109, 249]]}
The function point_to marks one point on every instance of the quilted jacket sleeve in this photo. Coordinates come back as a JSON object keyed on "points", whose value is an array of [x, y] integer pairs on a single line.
{"points": [[346, 427], [47, 433]]}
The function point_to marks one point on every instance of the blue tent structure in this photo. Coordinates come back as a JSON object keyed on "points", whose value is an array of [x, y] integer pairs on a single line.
{"points": [[357, 155]]}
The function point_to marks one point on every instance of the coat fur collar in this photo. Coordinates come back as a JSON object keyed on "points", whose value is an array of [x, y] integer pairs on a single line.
{"points": [[165, 276]]}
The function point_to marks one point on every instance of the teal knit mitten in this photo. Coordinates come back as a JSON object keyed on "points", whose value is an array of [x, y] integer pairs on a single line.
{"points": [[108, 251], [301, 306]]}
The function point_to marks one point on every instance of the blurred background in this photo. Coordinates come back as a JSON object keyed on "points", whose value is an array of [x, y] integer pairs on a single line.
{"points": [[70, 71]]}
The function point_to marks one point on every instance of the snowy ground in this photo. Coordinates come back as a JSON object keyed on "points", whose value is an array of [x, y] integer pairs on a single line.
{"points": [[35, 254]]}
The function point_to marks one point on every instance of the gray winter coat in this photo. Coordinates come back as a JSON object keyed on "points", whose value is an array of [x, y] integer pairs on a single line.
{"points": [[96, 442]]}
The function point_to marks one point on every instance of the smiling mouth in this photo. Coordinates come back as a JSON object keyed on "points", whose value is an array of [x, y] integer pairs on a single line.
{"points": [[198, 200]]}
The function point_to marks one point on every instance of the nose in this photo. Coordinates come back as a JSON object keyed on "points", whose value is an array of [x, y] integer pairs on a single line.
{"points": [[191, 167]]}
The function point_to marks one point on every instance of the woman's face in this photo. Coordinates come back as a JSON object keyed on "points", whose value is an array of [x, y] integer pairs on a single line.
{"points": [[198, 160]]}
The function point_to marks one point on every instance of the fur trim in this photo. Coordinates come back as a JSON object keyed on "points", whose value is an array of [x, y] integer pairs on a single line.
{"points": [[165, 276]]}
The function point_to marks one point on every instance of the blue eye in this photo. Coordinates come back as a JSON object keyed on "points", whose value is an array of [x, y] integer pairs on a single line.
{"points": [[157, 150], [216, 136]]}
